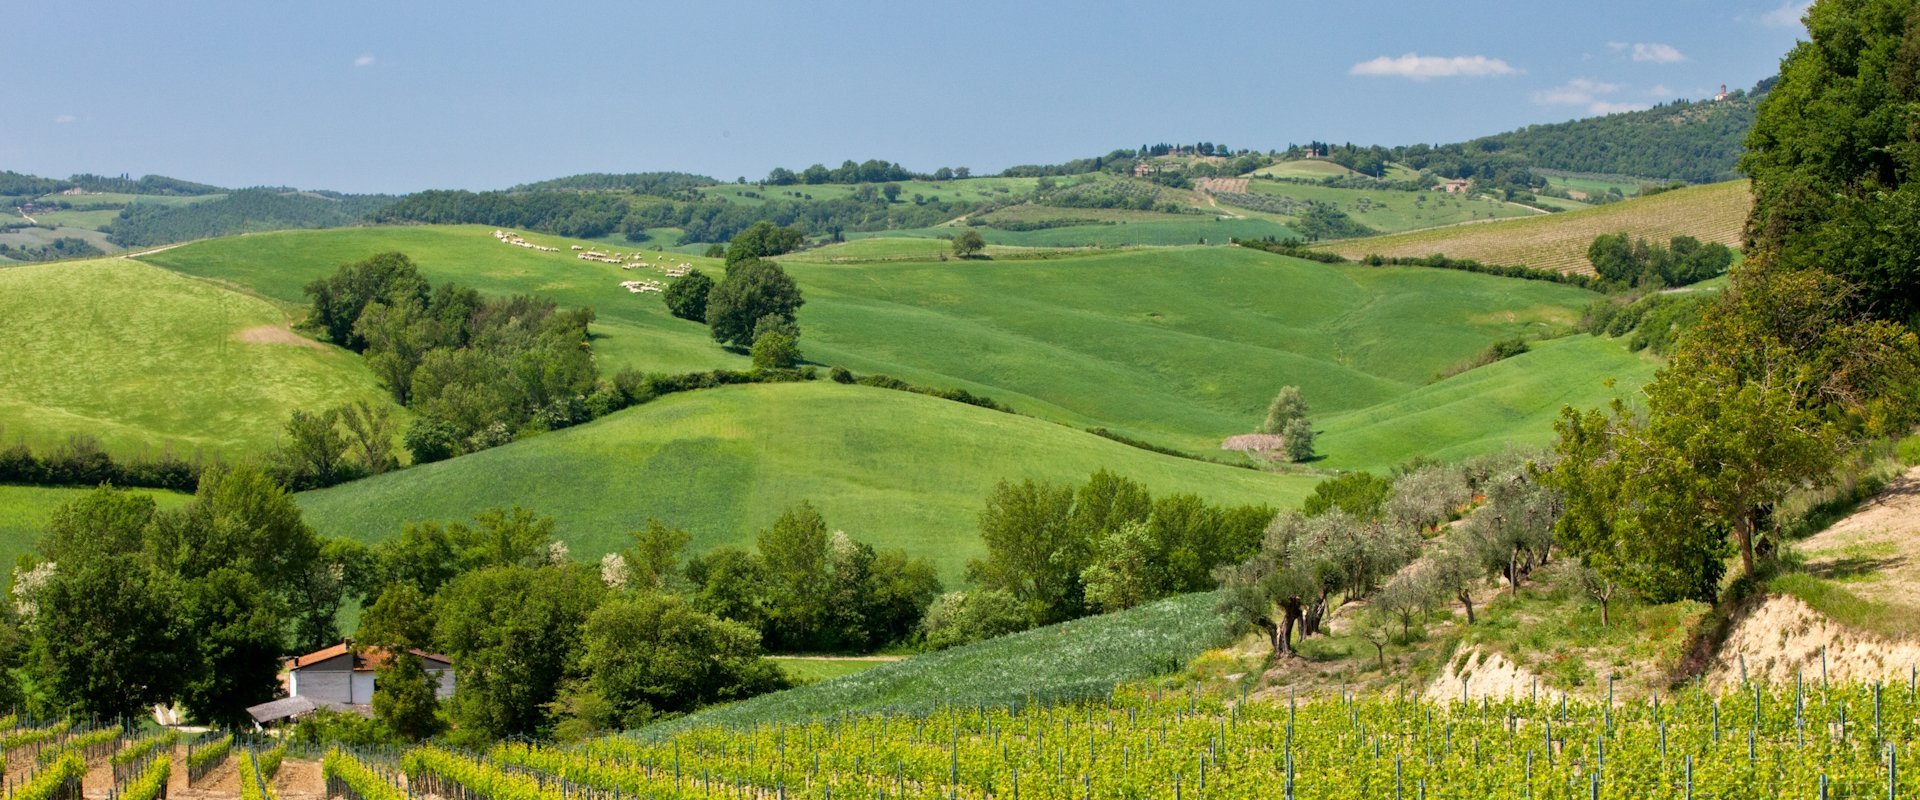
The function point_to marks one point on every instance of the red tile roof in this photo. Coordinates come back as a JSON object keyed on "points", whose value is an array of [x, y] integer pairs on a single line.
{"points": [[364, 658]]}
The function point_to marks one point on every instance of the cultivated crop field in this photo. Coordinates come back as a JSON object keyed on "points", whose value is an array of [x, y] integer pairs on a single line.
{"points": [[1749, 744], [893, 469], [146, 360], [1311, 169], [1712, 213]]}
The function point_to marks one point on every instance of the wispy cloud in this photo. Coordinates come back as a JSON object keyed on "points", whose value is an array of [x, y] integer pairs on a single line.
{"points": [[1589, 94], [1418, 67], [1653, 52], [65, 119], [363, 61], [1786, 16]]}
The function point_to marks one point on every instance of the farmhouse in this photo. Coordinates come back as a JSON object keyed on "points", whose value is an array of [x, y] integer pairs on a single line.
{"points": [[341, 677], [1455, 186]]}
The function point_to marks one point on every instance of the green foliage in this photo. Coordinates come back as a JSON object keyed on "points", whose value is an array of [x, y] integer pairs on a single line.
{"points": [[61, 248], [686, 298], [775, 350], [967, 243], [584, 214], [1306, 567], [56, 781], [1360, 494], [1286, 407], [1626, 261], [752, 290], [649, 655], [762, 240], [240, 211], [1297, 440], [958, 618], [1833, 162], [513, 630], [1696, 141], [404, 699], [1118, 577]]}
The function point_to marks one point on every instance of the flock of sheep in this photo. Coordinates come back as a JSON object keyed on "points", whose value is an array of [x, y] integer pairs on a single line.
{"points": [[620, 259]]}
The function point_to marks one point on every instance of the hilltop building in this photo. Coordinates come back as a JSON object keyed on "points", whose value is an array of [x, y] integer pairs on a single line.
{"points": [[1722, 95]]}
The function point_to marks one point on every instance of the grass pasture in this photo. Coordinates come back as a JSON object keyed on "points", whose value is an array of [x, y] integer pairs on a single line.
{"points": [[863, 251], [1163, 230], [630, 330], [968, 190], [1712, 213], [147, 360], [891, 468]]}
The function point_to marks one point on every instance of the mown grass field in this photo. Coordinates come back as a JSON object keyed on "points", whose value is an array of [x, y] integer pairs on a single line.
{"points": [[1510, 402], [146, 360], [1313, 169], [25, 510], [1712, 213], [630, 330], [1390, 210], [1178, 346], [1072, 660], [854, 251], [890, 468]]}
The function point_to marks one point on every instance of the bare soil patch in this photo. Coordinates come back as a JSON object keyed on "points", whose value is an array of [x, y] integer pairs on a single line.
{"points": [[1474, 674], [276, 334], [1784, 638], [1876, 550], [299, 779]]}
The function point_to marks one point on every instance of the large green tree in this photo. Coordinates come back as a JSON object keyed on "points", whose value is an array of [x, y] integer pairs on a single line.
{"points": [[751, 290], [513, 631], [1834, 153]]}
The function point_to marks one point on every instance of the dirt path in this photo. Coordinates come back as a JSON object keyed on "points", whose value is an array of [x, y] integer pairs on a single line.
{"points": [[299, 779]]}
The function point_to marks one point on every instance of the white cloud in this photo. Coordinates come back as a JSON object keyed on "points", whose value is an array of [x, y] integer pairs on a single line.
{"points": [[1588, 93], [1660, 90], [1602, 108], [1418, 67], [1648, 51], [1657, 53], [64, 119], [363, 61], [1786, 16]]}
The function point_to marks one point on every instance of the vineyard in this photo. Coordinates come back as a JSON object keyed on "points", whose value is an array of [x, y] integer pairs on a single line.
{"points": [[1755, 742]]}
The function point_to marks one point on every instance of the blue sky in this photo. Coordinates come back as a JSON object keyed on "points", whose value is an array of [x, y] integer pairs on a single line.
{"points": [[400, 96]]}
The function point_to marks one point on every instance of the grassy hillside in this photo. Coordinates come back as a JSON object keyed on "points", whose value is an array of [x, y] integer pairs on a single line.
{"points": [[24, 511], [145, 360], [1082, 658], [1390, 210], [891, 468], [1712, 213], [1154, 229], [1481, 411], [631, 330], [1182, 346]]}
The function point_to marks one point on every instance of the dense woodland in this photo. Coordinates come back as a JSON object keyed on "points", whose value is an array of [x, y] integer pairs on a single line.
{"points": [[240, 211]]}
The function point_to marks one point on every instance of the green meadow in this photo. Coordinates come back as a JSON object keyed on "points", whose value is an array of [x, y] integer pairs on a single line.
{"points": [[894, 469], [1311, 169], [147, 360], [1162, 230], [968, 190]]}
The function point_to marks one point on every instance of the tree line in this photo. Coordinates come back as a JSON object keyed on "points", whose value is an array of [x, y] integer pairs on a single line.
{"points": [[241, 211]]}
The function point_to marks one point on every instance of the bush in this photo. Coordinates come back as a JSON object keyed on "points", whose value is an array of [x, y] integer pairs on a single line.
{"points": [[686, 298], [775, 350], [958, 618], [841, 375], [431, 440]]}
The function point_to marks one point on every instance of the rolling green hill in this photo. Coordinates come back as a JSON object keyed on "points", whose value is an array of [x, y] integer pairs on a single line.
{"points": [[1712, 213], [145, 360], [1180, 346], [630, 330], [891, 468], [1514, 401]]}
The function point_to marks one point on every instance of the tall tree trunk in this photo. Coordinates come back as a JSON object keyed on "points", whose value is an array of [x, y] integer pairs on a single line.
{"points": [[1273, 633], [1293, 617], [1466, 599], [1743, 531]]}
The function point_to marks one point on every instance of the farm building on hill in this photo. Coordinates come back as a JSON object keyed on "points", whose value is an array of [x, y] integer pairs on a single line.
{"points": [[1455, 186], [341, 677]]}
